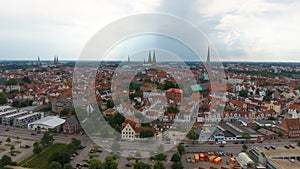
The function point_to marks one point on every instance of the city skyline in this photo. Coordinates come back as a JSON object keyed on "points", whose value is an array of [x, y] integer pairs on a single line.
{"points": [[240, 31]]}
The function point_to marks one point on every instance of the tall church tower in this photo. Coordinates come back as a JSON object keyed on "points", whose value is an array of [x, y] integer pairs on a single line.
{"points": [[149, 57], [39, 64], [208, 56], [154, 59]]}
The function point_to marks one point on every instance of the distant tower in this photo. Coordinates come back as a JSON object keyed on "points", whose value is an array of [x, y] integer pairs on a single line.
{"points": [[128, 59], [208, 56], [149, 57], [56, 60], [39, 64], [154, 59]]}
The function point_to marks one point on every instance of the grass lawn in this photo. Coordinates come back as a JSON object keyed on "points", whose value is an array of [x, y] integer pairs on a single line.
{"points": [[2, 149], [41, 161]]}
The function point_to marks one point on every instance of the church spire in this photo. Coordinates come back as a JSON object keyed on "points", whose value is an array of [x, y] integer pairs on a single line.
{"points": [[208, 56], [154, 58], [128, 59], [149, 57]]}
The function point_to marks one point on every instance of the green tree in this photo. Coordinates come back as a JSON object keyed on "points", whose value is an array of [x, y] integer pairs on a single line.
{"points": [[64, 112], [5, 160], [71, 148], [3, 98], [8, 140], [60, 157], [55, 165], [159, 165], [11, 82], [95, 164], [146, 133], [12, 147], [177, 165], [169, 84], [110, 163], [47, 139], [160, 157], [26, 79], [141, 165], [76, 142], [37, 149], [173, 110], [68, 166], [245, 147], [246, 136], [176, 157], [298, 143], [243, 93], [119, 118], [180, 149], [192, 135], [110, 104]]}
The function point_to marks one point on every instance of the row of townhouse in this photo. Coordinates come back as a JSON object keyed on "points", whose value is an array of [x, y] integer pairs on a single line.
{"points": [[18, 118]]}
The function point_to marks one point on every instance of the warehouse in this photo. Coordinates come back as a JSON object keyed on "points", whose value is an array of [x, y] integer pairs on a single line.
{"points": [[245, 161], [52, 123]]}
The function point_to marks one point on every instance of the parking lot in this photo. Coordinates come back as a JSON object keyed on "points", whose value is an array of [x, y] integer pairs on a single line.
{"points": [[21, 148]]}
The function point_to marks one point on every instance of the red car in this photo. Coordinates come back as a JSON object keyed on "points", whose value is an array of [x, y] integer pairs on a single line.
{"points": [[260, 141], [210, 142]]}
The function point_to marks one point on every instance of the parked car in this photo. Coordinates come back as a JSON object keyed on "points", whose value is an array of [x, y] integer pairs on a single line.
{"points": [[79, 165], [260, 141], [128, 165], [85, 165], [287, 147], [267, 147], [82, 146], [292, 146], [272, 147]]}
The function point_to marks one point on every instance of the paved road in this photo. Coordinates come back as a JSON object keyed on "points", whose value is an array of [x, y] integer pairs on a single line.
{"points": [[24, 133]]}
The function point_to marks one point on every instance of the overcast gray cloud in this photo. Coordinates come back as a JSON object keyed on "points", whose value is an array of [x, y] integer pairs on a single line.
{"points": [[256, 30]]}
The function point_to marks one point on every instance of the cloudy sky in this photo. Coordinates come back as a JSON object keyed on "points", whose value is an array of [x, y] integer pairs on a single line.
{"points": [[239, 30]]}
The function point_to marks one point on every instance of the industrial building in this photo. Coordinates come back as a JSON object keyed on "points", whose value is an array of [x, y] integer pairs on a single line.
{"points": [[245, 161], [280, 158], [52, 123]]}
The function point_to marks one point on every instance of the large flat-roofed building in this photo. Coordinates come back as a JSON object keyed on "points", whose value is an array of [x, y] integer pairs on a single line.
{"points": [[8, 120], [237, 129], [7, 112], [26, 119], [245, 161], [48, 123], [280, 158]]}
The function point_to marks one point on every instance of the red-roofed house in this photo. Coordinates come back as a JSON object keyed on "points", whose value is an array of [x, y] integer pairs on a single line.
{"points": [[292, 126], [174, 96]]}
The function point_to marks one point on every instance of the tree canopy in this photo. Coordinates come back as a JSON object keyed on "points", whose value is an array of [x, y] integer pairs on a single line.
{"points": [[192, 135]]}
